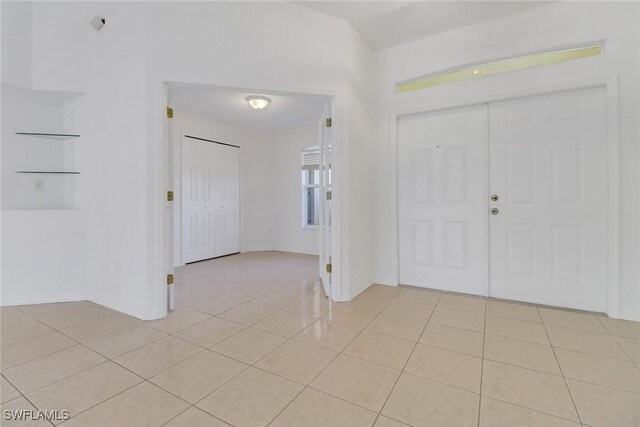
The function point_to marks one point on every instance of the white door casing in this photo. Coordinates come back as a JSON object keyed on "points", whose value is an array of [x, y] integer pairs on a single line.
{"points": [[549, 169], [325, 203], [442, 200], [210, 199]]}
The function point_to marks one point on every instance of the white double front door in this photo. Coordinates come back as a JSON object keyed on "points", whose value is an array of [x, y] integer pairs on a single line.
{"points": [[508, 199], [210, 199]]}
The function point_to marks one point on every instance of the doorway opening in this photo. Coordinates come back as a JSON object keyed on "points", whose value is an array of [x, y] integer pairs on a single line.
{"points": [[244, 189]]}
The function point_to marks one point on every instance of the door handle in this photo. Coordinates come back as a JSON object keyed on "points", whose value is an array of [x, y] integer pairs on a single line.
{"points": [[494, 211]]}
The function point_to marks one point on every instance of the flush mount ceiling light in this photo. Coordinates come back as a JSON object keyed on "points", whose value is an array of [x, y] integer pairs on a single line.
{"points": [[258, 102]]}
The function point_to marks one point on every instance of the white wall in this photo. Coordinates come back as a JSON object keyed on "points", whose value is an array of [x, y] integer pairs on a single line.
{"points": [[290, 236], [270, 182], [555, 25]]}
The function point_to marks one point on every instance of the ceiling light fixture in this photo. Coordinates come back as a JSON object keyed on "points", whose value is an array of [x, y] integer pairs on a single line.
{"points": [[258, 102]]}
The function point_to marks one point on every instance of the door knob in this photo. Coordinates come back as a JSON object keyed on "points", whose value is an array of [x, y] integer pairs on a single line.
{"points": [[494, 211], [494, 197]]}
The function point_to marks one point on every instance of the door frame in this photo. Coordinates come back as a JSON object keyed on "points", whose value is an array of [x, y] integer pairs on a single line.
{"points": [[612, 99], [165, 183]]}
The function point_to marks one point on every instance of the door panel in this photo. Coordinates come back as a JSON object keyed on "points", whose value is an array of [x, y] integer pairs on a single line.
{"points": [[548, 158], [442, 200], [210, 208]]}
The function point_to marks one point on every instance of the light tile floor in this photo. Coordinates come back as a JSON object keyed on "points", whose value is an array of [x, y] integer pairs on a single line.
{"points": [[254, 342]]}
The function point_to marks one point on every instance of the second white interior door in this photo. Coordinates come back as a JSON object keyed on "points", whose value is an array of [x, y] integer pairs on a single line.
{"points": [[210, 199]]}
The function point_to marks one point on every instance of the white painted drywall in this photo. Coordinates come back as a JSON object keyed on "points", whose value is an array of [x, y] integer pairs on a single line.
{"points": [[555, 25], [290, 236]]}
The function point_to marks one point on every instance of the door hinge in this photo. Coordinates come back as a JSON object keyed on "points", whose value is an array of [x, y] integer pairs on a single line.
{"points": [[170, 112], [328, 268], [169, 196], [169, 279], [328, 195], [328, 122]]}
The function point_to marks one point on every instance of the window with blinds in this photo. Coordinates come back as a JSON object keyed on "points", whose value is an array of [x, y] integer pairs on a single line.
{"points": [[311, 161]]}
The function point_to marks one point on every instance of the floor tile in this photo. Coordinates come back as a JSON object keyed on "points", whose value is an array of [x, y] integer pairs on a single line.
{"points": [[621, 328], [455, 339], [513, 310], [349, 315], [251, 399], [383, 290], [198, 376], [7, 391], [217, 304], [85, 389], [332, 336], [458, 318], [603, 407], [529, 355], [397, 326], [18, 404], [142, 405], [383, 421], [194, 417], [379, 348], [424, 296], [517, 329], [316, 409], [631, 347], [277, 299], [357, 381], [33, 348], [448, 367], [622, 374], [247, 314], [297, 361], [177, 320], [370, 302], [571, 319], [494, 413], [100, 327], [584, 341], [410, 309], [314, 305], [121, 342], [38, 373], [284, 323], [247, 293], [154, 358], [249, 345], [210, 332], [24, 330], [73, 317], [462, 302], [421, 402], [523, 387], [11, 316]]}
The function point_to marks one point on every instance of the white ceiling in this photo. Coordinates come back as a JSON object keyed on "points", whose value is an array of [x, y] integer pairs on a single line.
{"points": [[384, 24], [285, 111]]}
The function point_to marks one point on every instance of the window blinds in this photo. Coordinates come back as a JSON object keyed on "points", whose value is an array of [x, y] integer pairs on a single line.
{"points": [[311, 158]]}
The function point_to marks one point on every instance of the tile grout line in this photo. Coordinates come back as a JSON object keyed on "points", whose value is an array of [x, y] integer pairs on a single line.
{"points": [[408, 359], [566, 384]]}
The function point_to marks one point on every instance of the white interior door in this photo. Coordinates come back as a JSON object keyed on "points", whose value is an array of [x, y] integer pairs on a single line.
{"points": [[226, 199], [325, 202], [549, 169], [443, 183], [210, 199]]}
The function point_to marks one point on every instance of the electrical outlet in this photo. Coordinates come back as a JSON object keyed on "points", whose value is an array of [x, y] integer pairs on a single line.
{"points": [[38, 185]]}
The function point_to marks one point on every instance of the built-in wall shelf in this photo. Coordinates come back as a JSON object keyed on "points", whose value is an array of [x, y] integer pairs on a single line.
{"points": [[52, 172], [58, 136]]}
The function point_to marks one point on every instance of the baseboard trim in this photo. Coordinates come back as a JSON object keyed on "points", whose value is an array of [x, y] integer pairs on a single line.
{"points": [[43, 299]]}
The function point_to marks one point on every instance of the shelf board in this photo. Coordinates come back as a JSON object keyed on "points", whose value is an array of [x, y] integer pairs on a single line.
{"points": [[52, 172], [58, 136]]}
